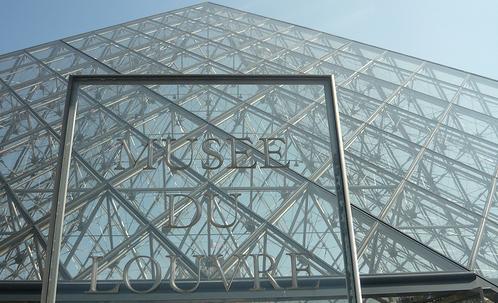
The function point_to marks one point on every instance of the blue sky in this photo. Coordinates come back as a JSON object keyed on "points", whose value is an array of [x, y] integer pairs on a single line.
{"points": [[457, 33]]}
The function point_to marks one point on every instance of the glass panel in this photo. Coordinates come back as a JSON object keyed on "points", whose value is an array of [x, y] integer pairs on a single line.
{"points": [[442, 73], [435, 222], [400, 123], [466, 149], [473, 123], [348, 61], [370, 186], [363, 50], [183, 180], [472, 100], [420, 104], [384, 150], [388, 73], [484, 86], [385, 250], [371, 87], [433, 87], [400, 61], [458, 183]]}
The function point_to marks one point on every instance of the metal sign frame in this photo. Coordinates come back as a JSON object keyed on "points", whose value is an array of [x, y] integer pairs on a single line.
{"points": [[50, 274]]}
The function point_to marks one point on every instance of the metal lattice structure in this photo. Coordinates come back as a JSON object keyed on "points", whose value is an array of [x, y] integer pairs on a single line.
{"points": [[420, 140]]}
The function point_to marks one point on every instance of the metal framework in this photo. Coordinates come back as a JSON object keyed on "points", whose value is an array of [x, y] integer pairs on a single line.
{"points": [[209, 129], [420, 142]]}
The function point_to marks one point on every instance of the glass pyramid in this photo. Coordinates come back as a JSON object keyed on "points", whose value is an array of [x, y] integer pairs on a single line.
{"points": [[420, 139]]}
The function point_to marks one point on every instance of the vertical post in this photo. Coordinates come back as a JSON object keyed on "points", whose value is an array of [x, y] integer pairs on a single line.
{"points": [[344, 206], [51, 270]]}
